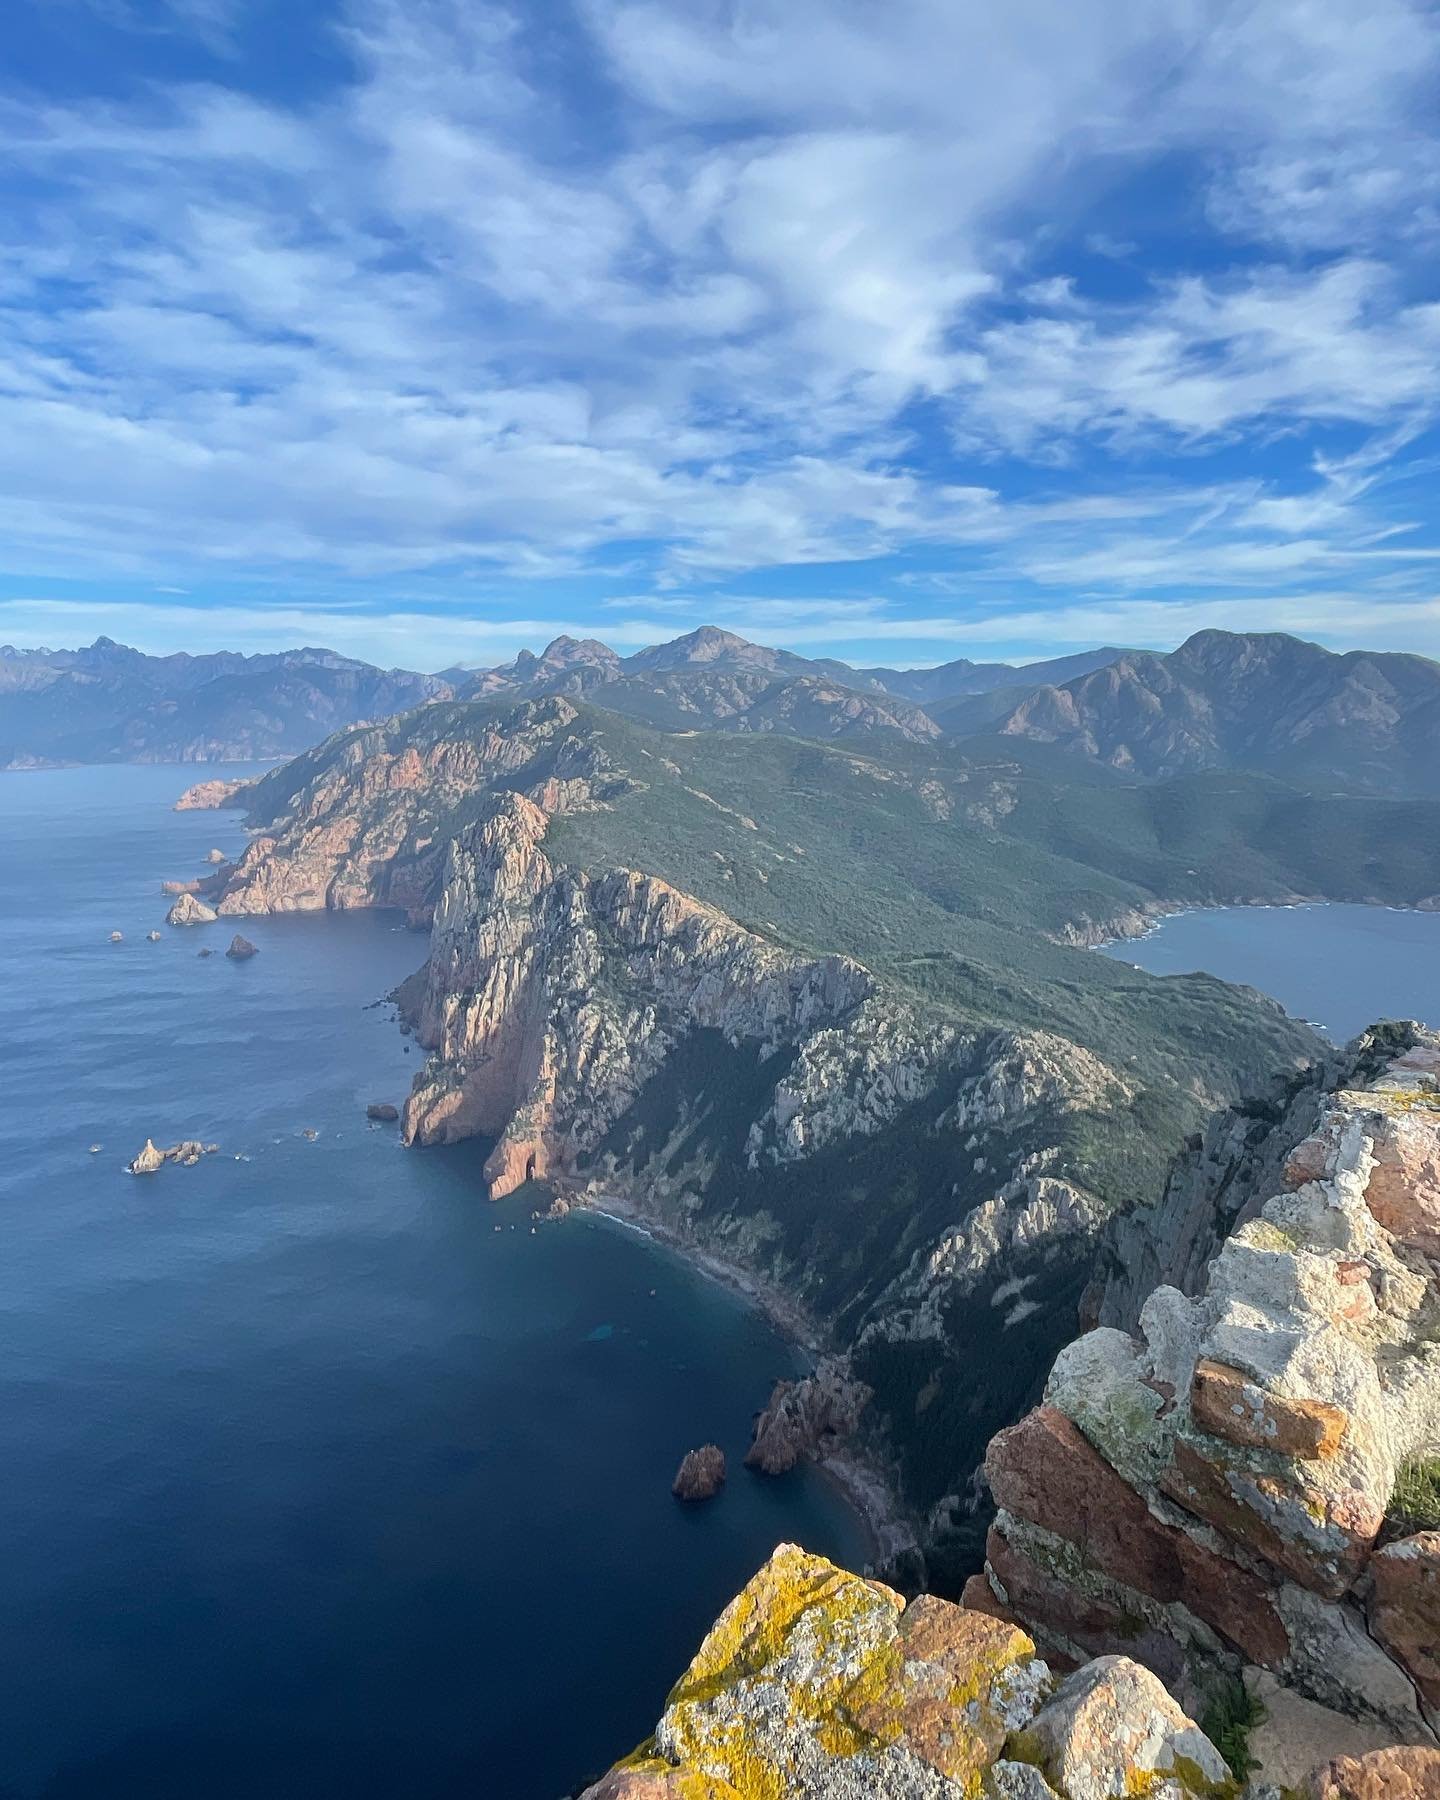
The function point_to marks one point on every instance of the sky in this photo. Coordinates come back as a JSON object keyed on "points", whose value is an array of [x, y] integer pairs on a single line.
{"points": [[429, 329]]}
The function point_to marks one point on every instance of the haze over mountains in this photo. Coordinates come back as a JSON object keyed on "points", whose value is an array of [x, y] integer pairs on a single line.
{"points": [[1270, 703]]}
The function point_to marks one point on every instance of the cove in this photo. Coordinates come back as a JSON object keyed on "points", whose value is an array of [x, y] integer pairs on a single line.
{"points": [[323, 1476], [1342, 967]]}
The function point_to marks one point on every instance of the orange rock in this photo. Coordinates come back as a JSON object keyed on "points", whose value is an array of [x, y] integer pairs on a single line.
{"points": [[1404, 1187], [1044, 1469], [1252, 1511], [1405, 1607], [1227, 1403], [1404, 1773]]}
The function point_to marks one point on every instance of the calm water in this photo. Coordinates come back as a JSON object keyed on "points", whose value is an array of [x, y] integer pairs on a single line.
{"points": [[1342, 967], [314, 1482]]}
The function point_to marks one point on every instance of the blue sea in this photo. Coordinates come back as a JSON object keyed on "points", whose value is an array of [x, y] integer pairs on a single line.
{"points": [[322, 1476], [1341, 967]]}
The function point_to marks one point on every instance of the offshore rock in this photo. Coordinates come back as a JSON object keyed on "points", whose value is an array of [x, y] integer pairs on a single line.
{"points": [[1210, 1491], [806, 1418], [241, 949], [817, 1685], [187, 1153], [383, 1111], [187, 910], [701, 1474]]}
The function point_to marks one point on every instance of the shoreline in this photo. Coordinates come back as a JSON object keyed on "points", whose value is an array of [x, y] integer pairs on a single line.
{"points": [[1150, 918], [858, 1478]]}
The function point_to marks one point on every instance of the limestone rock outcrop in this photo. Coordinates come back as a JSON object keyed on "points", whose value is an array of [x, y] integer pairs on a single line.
{"points": [[815, 1684], [1212, 1491]]}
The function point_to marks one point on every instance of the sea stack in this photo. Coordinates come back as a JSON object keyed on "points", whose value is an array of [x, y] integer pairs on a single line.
{"points": [[701, 1474], [241, 949], [187, 910], [383, 1111], [215, 856], [148, 1161]]}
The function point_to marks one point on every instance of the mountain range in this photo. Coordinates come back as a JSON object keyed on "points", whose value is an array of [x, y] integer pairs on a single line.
{"points": [[109, 703], [1363, 722]]}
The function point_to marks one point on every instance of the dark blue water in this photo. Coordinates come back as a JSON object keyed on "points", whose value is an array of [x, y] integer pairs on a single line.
{"points": [[321, 1476], [1342, 967]]}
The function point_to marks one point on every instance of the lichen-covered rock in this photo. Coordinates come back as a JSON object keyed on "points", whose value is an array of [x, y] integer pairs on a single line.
{"points": [[1217, 1483], [1113, 1731], [817, 1685]]}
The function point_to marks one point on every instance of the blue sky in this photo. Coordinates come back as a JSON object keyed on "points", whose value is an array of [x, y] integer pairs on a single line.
{"points": [[435, 328]]}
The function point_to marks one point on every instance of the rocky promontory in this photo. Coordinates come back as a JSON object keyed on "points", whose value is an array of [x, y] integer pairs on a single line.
{"points": [[815, 1684], [212, 796]]}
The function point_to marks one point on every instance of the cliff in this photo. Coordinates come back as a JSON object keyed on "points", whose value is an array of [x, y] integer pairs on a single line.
{"points": [[803, 1011], [1236, 1485], [553, 995], [368, 820]]}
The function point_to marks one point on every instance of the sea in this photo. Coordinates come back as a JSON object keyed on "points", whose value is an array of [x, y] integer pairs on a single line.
{"points": [[1339, 967], [321, 1476]]}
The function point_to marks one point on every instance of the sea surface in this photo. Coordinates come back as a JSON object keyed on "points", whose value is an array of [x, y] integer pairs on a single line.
{"points": [[1341, 967], [321, 1476]]}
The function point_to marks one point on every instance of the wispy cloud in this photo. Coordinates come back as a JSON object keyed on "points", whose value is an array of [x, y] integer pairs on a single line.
{"points": [[679, 292]]}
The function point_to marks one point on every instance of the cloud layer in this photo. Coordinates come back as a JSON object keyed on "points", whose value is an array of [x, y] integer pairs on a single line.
{"points": [[952, 316]]}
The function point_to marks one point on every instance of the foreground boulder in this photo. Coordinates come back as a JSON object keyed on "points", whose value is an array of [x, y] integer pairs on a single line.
{"points": [[701, 1474], [1210, 1493], [815, 1684]]}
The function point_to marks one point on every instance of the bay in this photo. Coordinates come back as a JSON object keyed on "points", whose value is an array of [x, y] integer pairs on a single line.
{"points": [[1342, 967], [322, 1475]]}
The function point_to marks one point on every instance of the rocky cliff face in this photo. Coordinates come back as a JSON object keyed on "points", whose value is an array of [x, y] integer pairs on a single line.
{"points": [[552, 996], [370, 823], [1214, 1491]]}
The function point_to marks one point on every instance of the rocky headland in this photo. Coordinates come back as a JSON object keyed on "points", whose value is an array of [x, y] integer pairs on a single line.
{"points": [[911, 1181]]}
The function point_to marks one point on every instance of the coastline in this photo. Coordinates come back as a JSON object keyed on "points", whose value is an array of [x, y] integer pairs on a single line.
{"points": [[1128, 927], [862, 1481]]}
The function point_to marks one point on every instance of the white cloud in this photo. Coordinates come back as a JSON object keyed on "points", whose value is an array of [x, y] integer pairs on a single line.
{"points": [[442, 319]]}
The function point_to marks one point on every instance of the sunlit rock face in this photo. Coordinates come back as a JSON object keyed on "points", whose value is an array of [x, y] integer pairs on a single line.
{"points": [[1214, 1490], [815, 1684]]}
